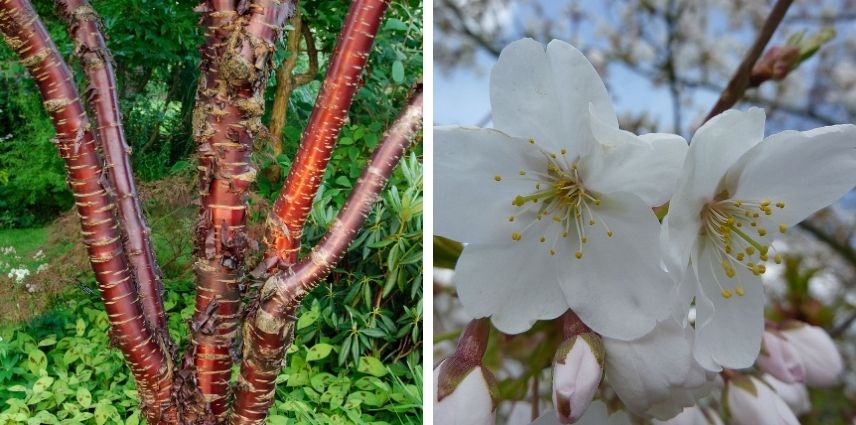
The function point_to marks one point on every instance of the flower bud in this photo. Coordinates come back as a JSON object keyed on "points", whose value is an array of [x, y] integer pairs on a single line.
{"points": [[465, 392], [779, 359], [751, 402], [821, 360], [577, 371], [795, 395]]}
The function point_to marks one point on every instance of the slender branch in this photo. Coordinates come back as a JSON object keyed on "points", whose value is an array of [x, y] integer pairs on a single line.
{"points": [[268, 329], [24, 32], [285, 83], [842, 248], [230, 102], [285, 224], [740, 81], [312, 55], [469, 32], [84, 27]]}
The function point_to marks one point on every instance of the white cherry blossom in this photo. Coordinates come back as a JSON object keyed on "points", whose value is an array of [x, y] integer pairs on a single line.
{"points": [[752, 402], [555, 202], [736, 192]]}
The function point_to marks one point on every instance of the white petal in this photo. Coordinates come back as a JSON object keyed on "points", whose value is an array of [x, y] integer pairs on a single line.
{"points": [[794, 395], [470, 205], [806, 170], [715, 147], [656, 375], [515, 283], [728, 331], [646, 166], [617, 288], [545, 95], [763, 407]]}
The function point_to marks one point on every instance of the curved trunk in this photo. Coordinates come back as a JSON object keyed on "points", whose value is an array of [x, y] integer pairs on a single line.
{"points": [[24, 32]]}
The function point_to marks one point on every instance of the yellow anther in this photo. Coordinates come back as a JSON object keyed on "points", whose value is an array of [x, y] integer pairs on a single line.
{"points": [[753, 224], [766, 202], [531, 141], [591, 222], [768, 212], [740, 256], [552, 252], [557, 218], [564, 151], [739, 290], [552, 155], [783, 228], [609, 233], [584, 239], [762, 231], [564, 234], [578, 254], [510, 219], [728, 249], [543, 239], [764, 249], [739, 224], [726, 294], [497, 178], [780, 204], [738, 204], [764, 257], [522, 172], [516, 236], [518, 201], [597, 201], [778, 258], [750, 250], [759, 269]]}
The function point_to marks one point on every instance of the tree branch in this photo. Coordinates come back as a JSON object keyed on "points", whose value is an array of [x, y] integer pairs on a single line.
{"points": [[268, 329], [24, 32], [84, 27], [312, 54], [740, 81], [285, 223]]}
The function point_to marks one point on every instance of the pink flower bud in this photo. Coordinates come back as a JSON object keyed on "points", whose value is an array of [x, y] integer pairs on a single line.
{"points": [[780, 359], [795, 395], [821, 360], [577, 372], [752, 402], [465, 392], [471, 399]]}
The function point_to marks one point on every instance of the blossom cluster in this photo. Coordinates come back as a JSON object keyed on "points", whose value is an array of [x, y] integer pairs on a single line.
{"points": [[558, 210]]}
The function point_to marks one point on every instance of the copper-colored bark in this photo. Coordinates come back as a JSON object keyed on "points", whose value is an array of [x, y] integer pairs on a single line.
{"points": [[331, 109], [24, 32], [268, 329], [230, 102], [97, 63]]}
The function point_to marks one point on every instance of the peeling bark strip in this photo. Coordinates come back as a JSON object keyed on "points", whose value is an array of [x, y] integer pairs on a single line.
{"points": [[89, 46], [268, 329], [331, 109], [24, 32], [227, 120]]}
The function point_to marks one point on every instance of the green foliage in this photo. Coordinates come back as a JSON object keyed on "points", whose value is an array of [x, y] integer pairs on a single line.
{"points": [[59, 369]]}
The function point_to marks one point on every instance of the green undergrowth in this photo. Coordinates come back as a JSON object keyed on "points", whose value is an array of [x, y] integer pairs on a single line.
{"points": [[60, 368]]}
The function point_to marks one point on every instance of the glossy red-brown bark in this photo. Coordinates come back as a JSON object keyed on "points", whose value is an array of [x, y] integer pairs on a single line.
{"points": [[90, 48], [24, 32], [268, 328], [320, 135], [230, 102]]}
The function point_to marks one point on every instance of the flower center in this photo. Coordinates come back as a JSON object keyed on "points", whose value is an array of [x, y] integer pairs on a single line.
{"points": [[737, 230], [560, 196]]}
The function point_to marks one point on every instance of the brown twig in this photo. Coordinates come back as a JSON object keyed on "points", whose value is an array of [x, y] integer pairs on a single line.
{"points": [[740, 81]]}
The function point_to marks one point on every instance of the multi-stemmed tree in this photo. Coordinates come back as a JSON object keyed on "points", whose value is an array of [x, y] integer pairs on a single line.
{"points": [[240, 38]]}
